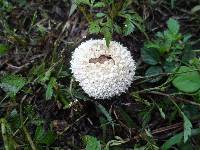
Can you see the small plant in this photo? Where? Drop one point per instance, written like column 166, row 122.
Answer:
column 5, row 6
column 48, row 76
column 12, row 84
column 113, row 16
column 167, row 51
column 171, row 53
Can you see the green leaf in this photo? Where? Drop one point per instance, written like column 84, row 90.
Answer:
column 173, row 3
column 127, row 3
column 150, row 56
column 46, row 76
column 173, row 26
column 41, row 29
column 165, row 46
column 3, row 49
column 12, row 84
column 176, row 139
column 105, row 113
column 72, row 9
column 151, row 144
column 49, row 91
column 154, row 71
column 128, row 27
column 187, row 54
column 39, row 133
column 169, row 66
column 125, row 116
column 6, row 6
column 99, row 5
column 91, row 143
column 107, row 31
column 107, row 35
column 187, row 80
column 117, row 29
column 172, row 141
column 94, row 27
column 153, row 45
column 186, row 38
column 187, row 128
column 146, row 117
column 195, row 9
column 99, row 15
column 43, row 137
column 49, row 138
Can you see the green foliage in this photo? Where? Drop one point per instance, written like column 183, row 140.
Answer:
column 146, row 116
column 151, row 144
column 187, row 79
column 154, row 71
column 48, row 77
column 195, row 9
column 128, row 27
column 44, row 137
column 150, row 56
column 178, row 139
column 49, row 92
column 187, row 128
column 166, row 44
column 106, row 21
column 94, row 27
column 125, row 116
column 12, row 84
column 91, row 143
column 173, row 26
column 5, row 6
column 105, row 113
column 3, row 49
column 168, row 50
column 171, row 53
column 187, row 124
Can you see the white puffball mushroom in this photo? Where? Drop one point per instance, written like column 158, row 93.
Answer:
column 102, row 71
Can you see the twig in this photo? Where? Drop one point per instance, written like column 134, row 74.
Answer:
column 163, row 74
column 175, row 98
column 167, row 128
column 29, row 138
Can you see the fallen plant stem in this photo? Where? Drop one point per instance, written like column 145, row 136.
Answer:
column 175, row 98
column 3, row 131
column 167, row 128
column 163, row 74
column 29, row 138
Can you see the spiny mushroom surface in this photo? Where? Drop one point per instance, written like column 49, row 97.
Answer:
column 103, row 72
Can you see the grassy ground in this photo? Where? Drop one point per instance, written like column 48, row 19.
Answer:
column 41, row 107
